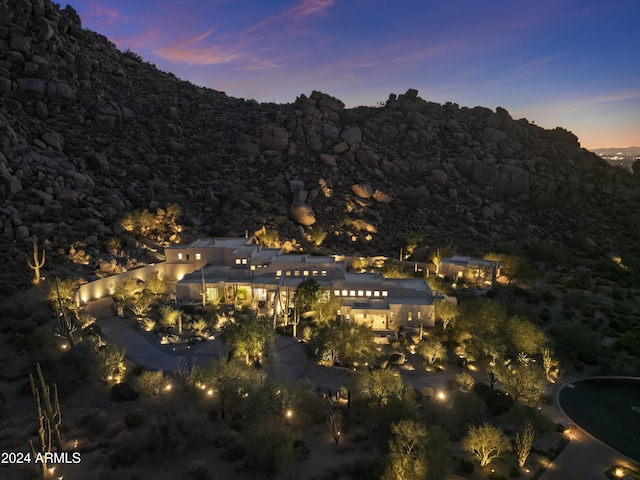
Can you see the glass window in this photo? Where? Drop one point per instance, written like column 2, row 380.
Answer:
column 306, row 273
column 344, row 293
column 361, row 293
column 237, row 261
column 385, row 293
column 315, row 273
column 278, row 273
column 244, row 261
column 324, row 273
column 336, row 293
column 198, row 256
column 179, row 256
column 352, row 293
column 368, row 294
column 376, row 293
column 297, row 273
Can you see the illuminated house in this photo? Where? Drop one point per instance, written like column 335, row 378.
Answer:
column 473, row 270
column 235, row 270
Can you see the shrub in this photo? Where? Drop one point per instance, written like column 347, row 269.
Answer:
column 123, row 392
column 514, row 472
column 134, row 419
column 94, row 423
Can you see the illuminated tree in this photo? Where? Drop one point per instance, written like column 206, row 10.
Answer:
column 348, row 342
column 524, row 382
column 150, row 383
column 407, row 457
column 486, row 442
column 108, row 361
column 465, row 382
column 169, row 315
column 380, row 386
column 62, row 293
column 229, row 381
column 141, row 305
column 306, row 295
column 432, row 350
column 446, row 311
column 524, row 336
column 248, row 334
column 269, row 238
column 523, row 443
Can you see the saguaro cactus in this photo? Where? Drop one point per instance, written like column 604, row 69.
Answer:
column 37, row 262
column 49, row 418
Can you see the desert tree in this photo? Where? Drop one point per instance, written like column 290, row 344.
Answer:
column 108, row 361
column 62, row 292
column 269, row 238
column 524, row 442
column 141, row 304
column 407, row 456
column 305, row 295
column 432, row 349
column 446, row 311
column 522, row 335
column 126, row 290
column 248, row 334
column 465, row 382
column 485, row 442
column 37, row 262
column 335, row 422
column 273, row 448
column 229, row 381
column 346, row 341
column 524, row 382
column 150, row 384
column 380, row 386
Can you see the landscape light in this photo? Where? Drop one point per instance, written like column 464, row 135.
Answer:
column 441, row 395
column 619, row 472
column 289, row 413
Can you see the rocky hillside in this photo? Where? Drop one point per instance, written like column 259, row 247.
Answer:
column 89, row 134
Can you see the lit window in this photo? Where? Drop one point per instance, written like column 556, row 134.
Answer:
column 361, row 293
column 253, row 267
column 237, row 261
column 352, row 293
column 244, row 261
column 344, row 293
column 385, row 293
column 288, row 274
column 376, row 293
column 278, row 273
column 198, row 256
column 306, row 273
column 315, row 273
column 336, row 293
column 297, row 273
column 324, row 273
column 179, row 256
column 368, row 293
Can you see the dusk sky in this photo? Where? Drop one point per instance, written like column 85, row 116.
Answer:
column 569, row 63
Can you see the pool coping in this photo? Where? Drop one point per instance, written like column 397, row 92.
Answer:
column 574, row 424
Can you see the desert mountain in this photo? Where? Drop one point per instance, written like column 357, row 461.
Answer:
column 89, row 134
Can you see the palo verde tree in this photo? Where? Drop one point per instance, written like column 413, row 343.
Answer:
column 486, row 443
column 228, row 381
column 38, row 261
column 407, row 457
column 347, row 342
column 380, row 386
column 445, row 311
column 248, row 334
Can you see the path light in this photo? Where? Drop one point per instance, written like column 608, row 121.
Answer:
column 168, row 387
column 618, row 472
column 209, row 392
column 289, row 413
column 51, row 470
column 441, row 395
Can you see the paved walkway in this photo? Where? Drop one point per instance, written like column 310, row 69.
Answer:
column 583, row 459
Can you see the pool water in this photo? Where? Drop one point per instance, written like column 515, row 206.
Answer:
column 607, row 408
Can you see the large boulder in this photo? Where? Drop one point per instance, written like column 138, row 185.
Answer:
column 484, row 174
column 274, row 138
column 302, row 214
column 362, row 190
